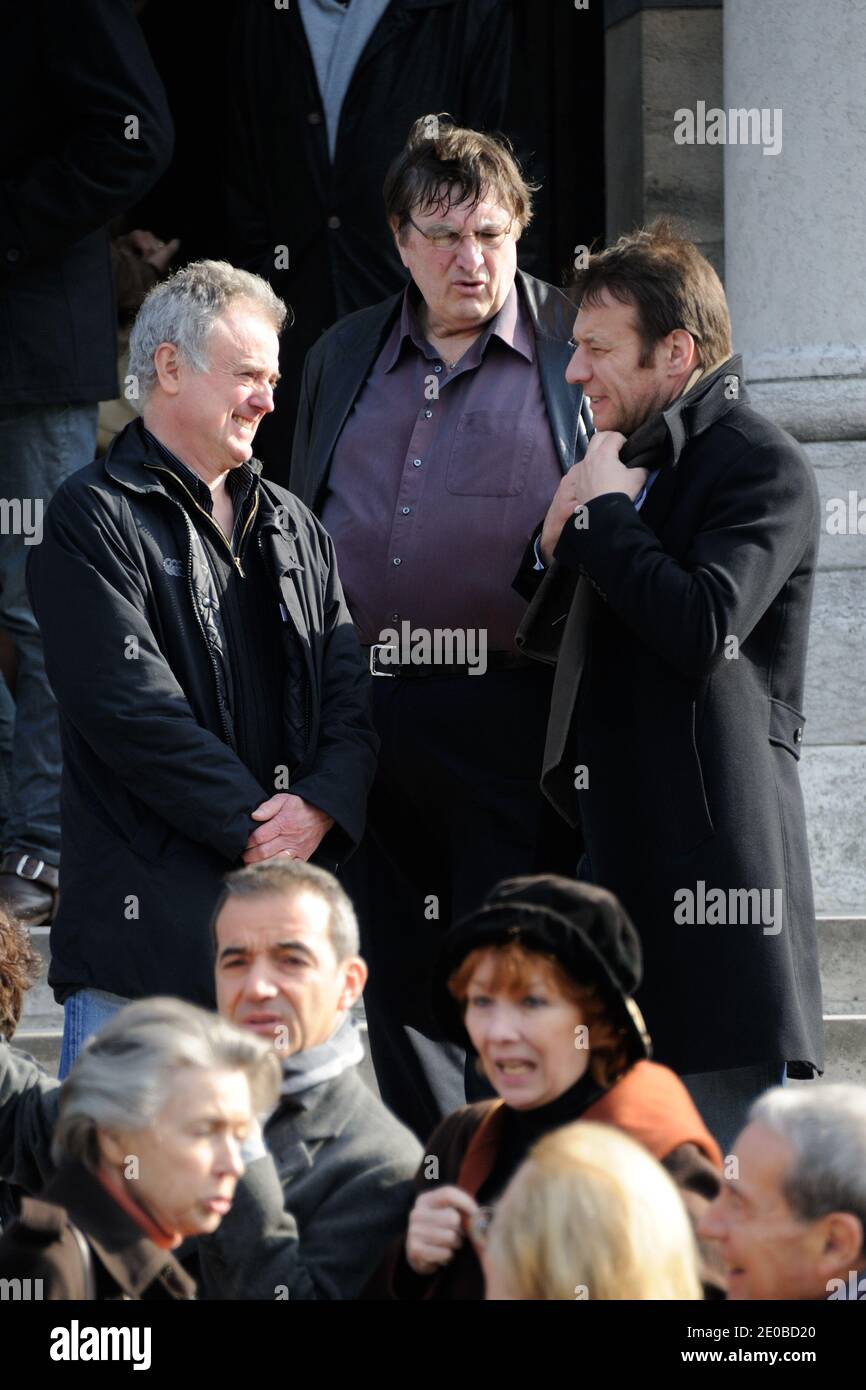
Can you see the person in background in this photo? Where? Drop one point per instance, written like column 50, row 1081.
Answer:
column 790, row 1218
column 539, row 982
column 330, row 1186
column 430, row 432
column 230, row 720
column 150, row 1125
column 19, row 970
column 681, row 556
column 589, row 1214
column 85, row 130
column 139, row 259
column 307, row 157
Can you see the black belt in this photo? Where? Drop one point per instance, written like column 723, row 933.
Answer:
column 494, row 661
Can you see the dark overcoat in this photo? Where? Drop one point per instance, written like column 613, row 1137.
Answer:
column 678, row 758
column 85, row 130
column 79, row 1243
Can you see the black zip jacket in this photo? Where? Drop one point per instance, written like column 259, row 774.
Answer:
column 156, row 803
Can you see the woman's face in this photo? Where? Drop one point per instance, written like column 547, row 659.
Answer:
column 531, row 1042
column 184, row 1168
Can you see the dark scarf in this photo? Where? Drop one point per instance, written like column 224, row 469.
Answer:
column 658, row 441
column 522, row 1128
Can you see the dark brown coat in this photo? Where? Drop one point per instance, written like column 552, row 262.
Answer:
column 82, row 1245
column 650, row 1103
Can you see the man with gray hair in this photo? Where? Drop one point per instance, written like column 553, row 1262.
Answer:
column 332, row 1185
column 212, row 697
column 790, row 1218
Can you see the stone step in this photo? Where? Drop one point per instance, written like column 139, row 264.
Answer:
column 845, row 1041
column 842, row 951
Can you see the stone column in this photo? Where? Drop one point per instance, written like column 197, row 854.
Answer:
column 795, row 237
column 661, row 55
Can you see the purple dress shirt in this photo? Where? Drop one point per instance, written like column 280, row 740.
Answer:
column 438, row 479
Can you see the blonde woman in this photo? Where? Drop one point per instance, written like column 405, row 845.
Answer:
column 590, row 1214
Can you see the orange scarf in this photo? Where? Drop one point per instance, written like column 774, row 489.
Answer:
column 650, row 1103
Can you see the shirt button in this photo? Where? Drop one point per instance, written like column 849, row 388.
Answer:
column 417, row 463
column 438, row 367
column 427, row 414
column 798, row 735
column 314, row 118
column 13, row 254
column 397, row 560
column 395, row 617
column 406, row 510
column 334, row 223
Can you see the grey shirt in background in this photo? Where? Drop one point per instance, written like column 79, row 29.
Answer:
column 337, row 34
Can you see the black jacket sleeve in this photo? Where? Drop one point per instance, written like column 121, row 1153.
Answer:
column 759, row 521
column 114, row 685
column 114, row 141
column 340, row 778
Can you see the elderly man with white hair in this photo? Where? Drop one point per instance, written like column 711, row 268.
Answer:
column 212, row 696
column 790, row 1218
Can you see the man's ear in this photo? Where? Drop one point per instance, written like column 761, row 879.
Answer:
column 843, row 1240
column 166, row 360
column 682, row 352
column 354, row 979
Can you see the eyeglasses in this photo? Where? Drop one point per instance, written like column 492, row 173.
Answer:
column 446, row 240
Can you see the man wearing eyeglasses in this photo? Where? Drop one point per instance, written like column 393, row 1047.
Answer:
column 431, row 430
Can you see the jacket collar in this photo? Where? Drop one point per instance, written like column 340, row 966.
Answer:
column 133, row 1261
column 133, row 448
column 711, row 397
column 685, row 420
column 507, row 324
column 648, row 1102
column 321, row 1112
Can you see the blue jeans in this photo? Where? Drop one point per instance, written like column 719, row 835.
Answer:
column 40, row 445
column 724, row 1097
column 84, row 1013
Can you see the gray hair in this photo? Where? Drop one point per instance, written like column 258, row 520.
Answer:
column 288, row 877
column 826, row 1129
column 124, row 1074
column 183, row 309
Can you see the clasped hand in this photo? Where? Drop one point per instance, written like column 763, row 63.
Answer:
column 598, row 472
column 289, row 825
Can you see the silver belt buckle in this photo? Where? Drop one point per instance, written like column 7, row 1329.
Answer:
column 40, row 865
column 377, row 647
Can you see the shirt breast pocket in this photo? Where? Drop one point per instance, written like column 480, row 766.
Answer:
column 490, row 454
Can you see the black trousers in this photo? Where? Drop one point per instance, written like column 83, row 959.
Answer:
column 456, row 807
